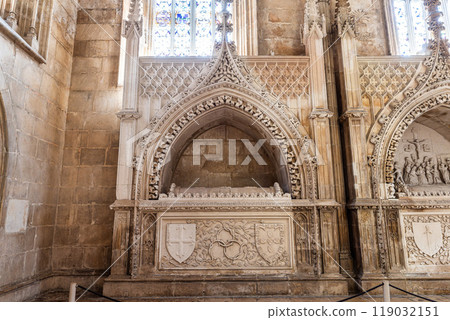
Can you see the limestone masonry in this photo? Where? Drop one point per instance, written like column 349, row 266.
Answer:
column 307, row 155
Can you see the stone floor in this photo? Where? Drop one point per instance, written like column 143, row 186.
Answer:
column 59, row 296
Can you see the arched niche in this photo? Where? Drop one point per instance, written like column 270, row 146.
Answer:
column 209, row 126
column 422, row 158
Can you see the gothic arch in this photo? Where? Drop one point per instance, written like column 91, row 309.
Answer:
column 396, row 127
column 234, row 120
column 299, row 160
column 7, row 135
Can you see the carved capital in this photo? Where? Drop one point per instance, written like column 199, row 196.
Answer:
column 321, row 113
column 354, row 114
column 128, row 115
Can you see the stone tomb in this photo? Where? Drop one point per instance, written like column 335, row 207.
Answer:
column 252, row 243
column 208, row 251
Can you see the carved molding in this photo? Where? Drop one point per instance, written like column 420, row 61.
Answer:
column 406, row 121
column 148, row 239
column 353, row 114
column 303, row 241
column 427, row 90
column 321, row 114
column 128, row 115
column 381, row 237
column 274, row 192
column 292, row 157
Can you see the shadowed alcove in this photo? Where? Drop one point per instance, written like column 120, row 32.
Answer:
column 227, row 126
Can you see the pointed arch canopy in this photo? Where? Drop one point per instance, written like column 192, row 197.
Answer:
column 397, row 126
column 293, row 155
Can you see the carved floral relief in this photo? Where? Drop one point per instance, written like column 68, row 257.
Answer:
column 237, row 243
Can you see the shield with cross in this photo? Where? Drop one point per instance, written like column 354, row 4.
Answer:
column 428, row 236
column 180, row 241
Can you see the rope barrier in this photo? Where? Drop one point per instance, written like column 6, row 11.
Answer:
column 362, row 293
column 97, row 294
column 415, row 295
column 343, row 300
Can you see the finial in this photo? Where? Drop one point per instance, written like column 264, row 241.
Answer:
column 345, row 19
column 225, row 26
column 437, row 43
column 314, row 19
column 135, row 19
column 135, row 13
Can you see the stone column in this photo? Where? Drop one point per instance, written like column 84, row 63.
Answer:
column 314, row 32
column 246, row 30
column 345, row 259
column 129, row 114
column 367, row 222
column 353, row 113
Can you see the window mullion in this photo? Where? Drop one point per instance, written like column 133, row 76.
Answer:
column 193, row 27
column 446, row 13
column 172, row 30
column 410, row 23
column 213, row 23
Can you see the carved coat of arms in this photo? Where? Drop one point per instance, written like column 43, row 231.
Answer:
column 428, row 236
column 180, row 241
column 269, row 241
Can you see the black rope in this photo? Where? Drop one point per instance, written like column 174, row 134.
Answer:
column 362, row 293
column 415, row 295
column 98, row 294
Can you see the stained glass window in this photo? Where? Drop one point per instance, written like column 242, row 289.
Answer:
column 184, row 27
column 411, row 25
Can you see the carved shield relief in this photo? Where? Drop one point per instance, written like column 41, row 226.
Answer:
column 428, row 236
column 180, row 240
column 269, row 241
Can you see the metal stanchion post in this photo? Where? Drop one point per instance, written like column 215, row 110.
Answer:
column 386, row 291
column 72, row 292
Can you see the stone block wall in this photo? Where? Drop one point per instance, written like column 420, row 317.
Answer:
column 35, row 98
column 372, row 38
column 84, row 221
column 279, row 27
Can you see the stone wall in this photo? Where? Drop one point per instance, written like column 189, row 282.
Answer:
column 279, row 27
column 35, row 98
column 224, row 173
column 370, row 27
column 83, row 230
